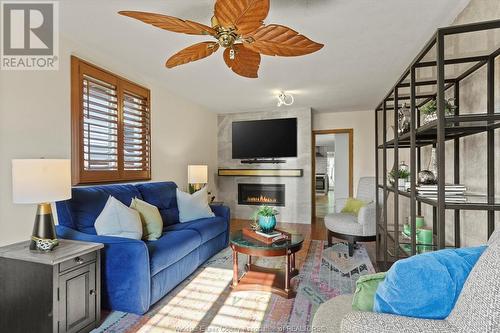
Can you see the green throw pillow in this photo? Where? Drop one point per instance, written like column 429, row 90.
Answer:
column 152, row 223
column 364, row 296
column 352, row 206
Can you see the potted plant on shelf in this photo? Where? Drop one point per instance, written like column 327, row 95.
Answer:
column 429, row 110
column 402, row 175
column 265, row 219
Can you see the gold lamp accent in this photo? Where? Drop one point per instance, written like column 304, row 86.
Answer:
column 41, row 181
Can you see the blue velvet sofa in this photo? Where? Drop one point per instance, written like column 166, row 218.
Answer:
column 136, row 273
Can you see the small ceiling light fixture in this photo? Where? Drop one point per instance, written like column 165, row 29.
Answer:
column 285, row 99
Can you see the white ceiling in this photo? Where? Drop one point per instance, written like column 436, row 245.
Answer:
column 368, row 43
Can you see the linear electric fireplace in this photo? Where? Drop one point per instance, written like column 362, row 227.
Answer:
column 261, row 194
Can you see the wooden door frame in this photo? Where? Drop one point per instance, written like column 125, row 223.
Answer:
column 348, row 131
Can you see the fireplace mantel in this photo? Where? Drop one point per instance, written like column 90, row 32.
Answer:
column 261, row 172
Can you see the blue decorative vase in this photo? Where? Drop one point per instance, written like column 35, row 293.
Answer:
column 267, row 223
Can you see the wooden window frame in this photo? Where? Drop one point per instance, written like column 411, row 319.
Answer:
column 79, row 68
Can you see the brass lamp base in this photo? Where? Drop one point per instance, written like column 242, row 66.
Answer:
column 44, row 234
column 195, row 187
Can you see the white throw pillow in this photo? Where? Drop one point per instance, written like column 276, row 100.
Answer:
column 193, row 206
column 118, row 220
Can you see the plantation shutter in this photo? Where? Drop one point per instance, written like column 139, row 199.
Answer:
column 136, row 130
column 100, row 125
column 111, row 138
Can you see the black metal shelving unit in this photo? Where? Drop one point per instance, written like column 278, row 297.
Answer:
column 436, row 72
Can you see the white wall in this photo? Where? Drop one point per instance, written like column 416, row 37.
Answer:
column 363, row 125
column 341, row 171
column 35, row 122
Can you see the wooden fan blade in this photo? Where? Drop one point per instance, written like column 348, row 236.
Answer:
column 278, row 40
column 192, row 53
column 170, row 23
column 245, row 63
column 244, row 15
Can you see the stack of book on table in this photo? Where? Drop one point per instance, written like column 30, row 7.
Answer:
column 452, row 192
column 268, row 238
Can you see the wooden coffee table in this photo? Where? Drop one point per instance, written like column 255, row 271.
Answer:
column 259, row 278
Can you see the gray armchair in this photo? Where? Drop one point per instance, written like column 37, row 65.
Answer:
column 352, row 228
column 477, row 308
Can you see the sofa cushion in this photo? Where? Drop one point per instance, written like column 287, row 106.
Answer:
column 162, row 195
column 207, row 228
column 346, row 224
column 171, row 247
column 87, row 203
column 426, row 285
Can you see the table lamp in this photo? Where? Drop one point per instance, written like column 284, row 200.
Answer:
column 197, row 177
column 41, row 181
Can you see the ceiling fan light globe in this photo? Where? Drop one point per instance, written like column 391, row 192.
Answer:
column 284, row 99
column 290, row 100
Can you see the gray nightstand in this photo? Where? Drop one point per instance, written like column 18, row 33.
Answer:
column 58, row 291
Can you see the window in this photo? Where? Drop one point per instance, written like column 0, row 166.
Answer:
column 111, row 139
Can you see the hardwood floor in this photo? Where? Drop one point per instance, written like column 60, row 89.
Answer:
column 315, row 231
column 324, row 204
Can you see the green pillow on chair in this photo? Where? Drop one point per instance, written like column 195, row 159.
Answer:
column 352, row 206
column 366, row 287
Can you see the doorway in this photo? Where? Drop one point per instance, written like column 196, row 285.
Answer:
column 332, row 166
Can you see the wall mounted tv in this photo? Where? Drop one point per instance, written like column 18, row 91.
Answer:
column 273, row 138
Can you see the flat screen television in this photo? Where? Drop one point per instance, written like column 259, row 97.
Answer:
column 274, row 138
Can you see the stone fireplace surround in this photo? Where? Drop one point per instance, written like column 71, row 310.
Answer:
column 297, row 205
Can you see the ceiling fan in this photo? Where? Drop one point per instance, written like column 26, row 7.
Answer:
column 238, row 26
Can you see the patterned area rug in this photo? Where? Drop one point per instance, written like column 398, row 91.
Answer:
column 204, row 302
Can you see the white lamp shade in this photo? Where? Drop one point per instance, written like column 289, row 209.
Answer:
column 40, row 180
column 197, row 174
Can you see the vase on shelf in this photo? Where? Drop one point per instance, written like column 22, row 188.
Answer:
column 426, row 177
column 429, row 176
column 404, row 118
column 433, row 166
